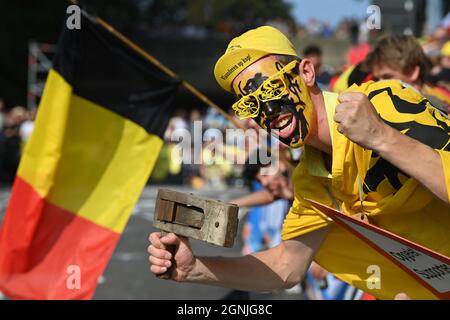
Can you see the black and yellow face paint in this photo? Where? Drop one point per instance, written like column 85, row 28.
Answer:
column 279, row 103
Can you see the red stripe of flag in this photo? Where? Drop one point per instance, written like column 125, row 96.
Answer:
column 43, row 259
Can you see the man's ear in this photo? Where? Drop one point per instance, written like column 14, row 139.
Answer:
column 307, row 72
column 414, row 74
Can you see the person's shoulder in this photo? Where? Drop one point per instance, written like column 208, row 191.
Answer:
column 393, row 96
column 390, row 87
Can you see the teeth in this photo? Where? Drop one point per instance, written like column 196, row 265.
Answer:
column 282, row 123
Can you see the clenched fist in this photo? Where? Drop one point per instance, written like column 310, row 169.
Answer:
column 358, row 120
column 161, row 259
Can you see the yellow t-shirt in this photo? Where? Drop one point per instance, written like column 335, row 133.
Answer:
column 393, row 201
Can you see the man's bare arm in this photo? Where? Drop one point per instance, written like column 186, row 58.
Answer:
column 279, row 267
column 257, row 198
column 415, row 159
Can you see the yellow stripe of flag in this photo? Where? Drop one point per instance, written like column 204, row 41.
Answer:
column 99, row 177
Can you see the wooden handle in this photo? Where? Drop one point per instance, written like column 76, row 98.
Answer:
column 172, row 249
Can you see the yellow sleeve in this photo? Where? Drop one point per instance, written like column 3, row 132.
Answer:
column 445, row 157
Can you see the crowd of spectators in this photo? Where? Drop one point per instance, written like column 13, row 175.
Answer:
column 16, row 126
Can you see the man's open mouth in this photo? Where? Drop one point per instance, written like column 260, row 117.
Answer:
column 285, row 124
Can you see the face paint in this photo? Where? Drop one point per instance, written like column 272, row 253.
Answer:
column 280, row 102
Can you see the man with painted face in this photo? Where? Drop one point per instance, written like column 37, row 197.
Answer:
column 378, row 150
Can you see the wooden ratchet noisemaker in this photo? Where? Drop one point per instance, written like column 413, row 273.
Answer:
column 195, row 217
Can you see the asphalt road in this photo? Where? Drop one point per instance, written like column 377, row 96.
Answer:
column 127, row 275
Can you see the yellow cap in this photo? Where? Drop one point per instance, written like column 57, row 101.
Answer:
column 246, row 49
column 445, row 51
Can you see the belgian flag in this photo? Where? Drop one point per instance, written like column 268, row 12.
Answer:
column 97, row 136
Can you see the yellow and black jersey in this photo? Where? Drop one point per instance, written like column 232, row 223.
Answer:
column 405, row 109
column 393, row 200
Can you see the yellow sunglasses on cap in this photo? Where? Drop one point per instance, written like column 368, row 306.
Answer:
column 272, row 88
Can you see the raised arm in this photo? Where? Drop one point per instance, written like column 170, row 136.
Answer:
column 415, row 159
column 359, row 122
column 280, row 267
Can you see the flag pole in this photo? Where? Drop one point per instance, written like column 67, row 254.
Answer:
column 169, row 72
column 163, row 68
column 172, row 74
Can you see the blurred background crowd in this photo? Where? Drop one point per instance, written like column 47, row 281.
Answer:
column 16, row 126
